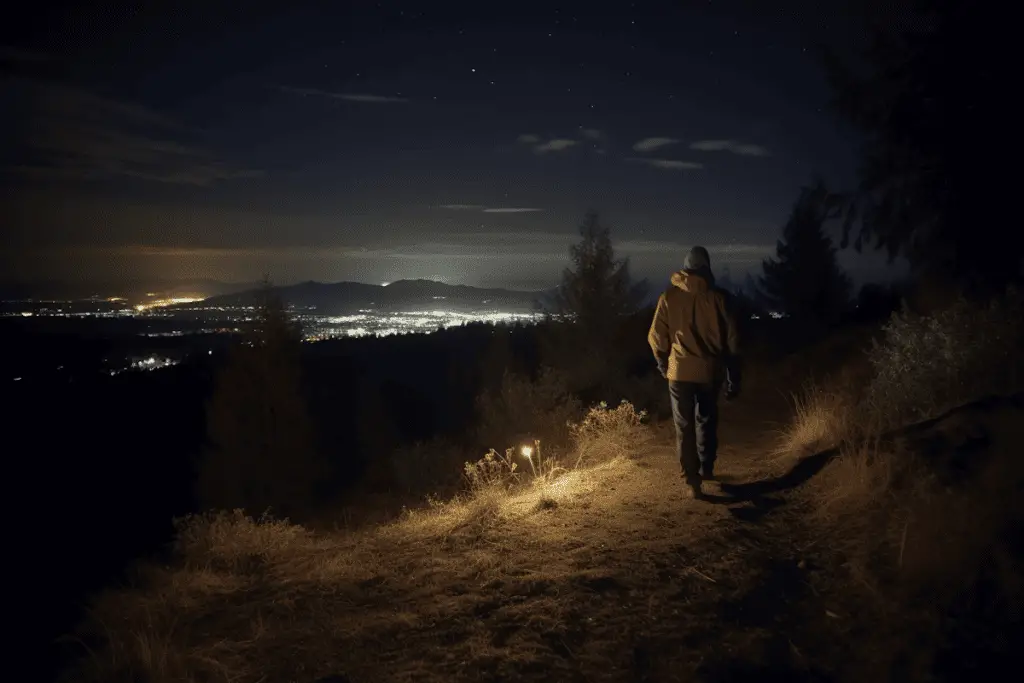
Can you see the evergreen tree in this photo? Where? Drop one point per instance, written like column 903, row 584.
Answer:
column 923, row 85
column 597, row 292
column 805, row 280
column 596, row 295
column 261, row 448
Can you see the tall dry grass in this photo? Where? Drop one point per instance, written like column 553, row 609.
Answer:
column 921, row 493
column 244, row 592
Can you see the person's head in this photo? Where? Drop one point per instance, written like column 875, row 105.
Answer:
column 697, row 259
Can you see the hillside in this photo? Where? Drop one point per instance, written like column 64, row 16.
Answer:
column 347, row 298
column 605, row 573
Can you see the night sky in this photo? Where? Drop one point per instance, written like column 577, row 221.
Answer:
column 374, row 141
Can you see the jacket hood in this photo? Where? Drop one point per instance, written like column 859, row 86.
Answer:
column 693, row 280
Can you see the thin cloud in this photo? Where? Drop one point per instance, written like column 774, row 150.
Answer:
column 743, row 149
column 556, row 145
column 667, row 164
column 79, row 135
column 348, row 97
column 486, row 209
column 651, row 144
column 553, row 145
column 592, row 134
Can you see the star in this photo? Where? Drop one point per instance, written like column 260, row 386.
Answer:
column 473, row 70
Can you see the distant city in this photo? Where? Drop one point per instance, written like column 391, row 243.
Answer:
column 156, row 316
column 155, row 330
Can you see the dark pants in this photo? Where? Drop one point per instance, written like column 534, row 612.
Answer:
column 695, row 413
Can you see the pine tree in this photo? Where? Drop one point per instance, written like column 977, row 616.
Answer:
column 805, row 280
column 597, row 292
column 923, row 83
column 261, row 447
column 597, row 295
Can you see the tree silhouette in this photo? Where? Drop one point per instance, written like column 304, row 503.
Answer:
column 805, row 280
column 261, row 448
column 597, row 291
column 596, row 294
column 925, row 88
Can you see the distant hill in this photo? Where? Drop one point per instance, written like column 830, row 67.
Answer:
column 347, row 298
column 131, row 289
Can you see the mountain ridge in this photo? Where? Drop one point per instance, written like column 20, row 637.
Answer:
column 347, row 297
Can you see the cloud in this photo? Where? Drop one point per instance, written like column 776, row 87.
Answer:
column 592, row 134
column 743, row 149
column 485, row 209
column 555, row 145
column 651, row 144
column 667, row 164
column 78, row 135
column 348, row 97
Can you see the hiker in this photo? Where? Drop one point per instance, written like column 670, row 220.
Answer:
column 695, row 343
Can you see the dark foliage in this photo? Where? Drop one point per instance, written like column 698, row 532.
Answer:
column 805, row 280
column 262, row 450
column 927, row 87
column 595, row 297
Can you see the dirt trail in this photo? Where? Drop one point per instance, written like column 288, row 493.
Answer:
column 629, row 582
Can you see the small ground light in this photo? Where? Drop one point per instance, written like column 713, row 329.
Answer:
column 528, row 451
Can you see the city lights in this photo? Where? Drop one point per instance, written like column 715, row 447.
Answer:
column 162, row 303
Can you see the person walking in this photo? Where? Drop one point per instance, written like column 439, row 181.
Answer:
column 695, row 341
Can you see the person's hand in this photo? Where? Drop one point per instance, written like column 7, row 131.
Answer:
column 731, row 394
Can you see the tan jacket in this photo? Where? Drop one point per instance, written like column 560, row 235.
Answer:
column 694, row 334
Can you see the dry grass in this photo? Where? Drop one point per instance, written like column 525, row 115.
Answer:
column 266, row 600
column 914, row 520
column 822, row 419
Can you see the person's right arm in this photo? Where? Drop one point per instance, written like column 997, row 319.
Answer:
column 732, row 345
column 658, row 336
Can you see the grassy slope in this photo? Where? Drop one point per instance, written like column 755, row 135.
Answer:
column 608, row 574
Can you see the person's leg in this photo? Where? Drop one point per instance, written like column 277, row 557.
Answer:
column 682, row 395
column 706, row 428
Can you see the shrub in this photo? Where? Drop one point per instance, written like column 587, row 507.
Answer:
column 232, row 540
column 821, row 419
column 928, row 363
column 425, row 466
column 606, row 433
column 492, row 470
column 525, row 410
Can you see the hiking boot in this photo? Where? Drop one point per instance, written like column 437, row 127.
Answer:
column 711, row 487
column 693, row 492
